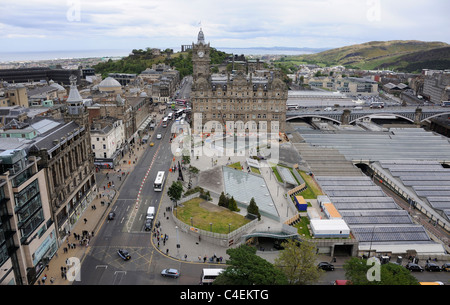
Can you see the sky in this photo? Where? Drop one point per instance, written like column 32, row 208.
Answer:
column 49, row 25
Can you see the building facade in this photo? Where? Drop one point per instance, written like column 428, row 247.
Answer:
column 436, row 87
column 108, row 141
column 27, row 231
column 239, row 101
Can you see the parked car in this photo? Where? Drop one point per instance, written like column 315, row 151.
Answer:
column 124, row 254
column 432, row 267
column 446, row 267
column 413, row 267
column 170, row 273
column 111, row 215
column 325, row 266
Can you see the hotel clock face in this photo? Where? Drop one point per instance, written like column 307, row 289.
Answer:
column 200, row 54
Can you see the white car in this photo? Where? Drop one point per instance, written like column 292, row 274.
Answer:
column 158, row 136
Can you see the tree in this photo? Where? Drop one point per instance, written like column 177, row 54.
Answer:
column 232, row 205
column 223, row 200
column 175, row 191
column 253, row 208
column 357, row 270
column 247, row 268
column 297, row 261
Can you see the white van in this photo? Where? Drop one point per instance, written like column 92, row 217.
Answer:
column 328, row 109
column 358, row 108
column 150, row 212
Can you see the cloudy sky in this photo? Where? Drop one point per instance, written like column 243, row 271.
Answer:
column 49, row 25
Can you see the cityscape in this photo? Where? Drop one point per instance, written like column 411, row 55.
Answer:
column 194, row 165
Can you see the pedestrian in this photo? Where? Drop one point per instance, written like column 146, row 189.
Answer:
column 185, row 257
column 92, row 234
column 85, row 220
column 52, row 280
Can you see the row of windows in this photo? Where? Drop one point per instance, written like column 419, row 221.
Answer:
column 243, row 116
column 245, row 101
column 244, row 93
column 232, row 108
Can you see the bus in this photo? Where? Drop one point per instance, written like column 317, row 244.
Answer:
column 209, row 275
column 445, row 104
column 165, row 122
column 178, row 113
column 181, row 102
column 159, row 181
column 170, row 116
column 377, row 105
column 292, row 107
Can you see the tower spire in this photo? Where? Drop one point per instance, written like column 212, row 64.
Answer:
column 201, row 37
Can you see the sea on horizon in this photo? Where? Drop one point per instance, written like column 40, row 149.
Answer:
column 54, row 55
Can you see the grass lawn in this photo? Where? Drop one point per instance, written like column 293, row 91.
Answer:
column 302, row 227
column 313, row 189
column 236, row 165
column 255, row 170
column 203, row 213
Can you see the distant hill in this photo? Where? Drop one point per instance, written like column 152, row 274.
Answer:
column 402, row 55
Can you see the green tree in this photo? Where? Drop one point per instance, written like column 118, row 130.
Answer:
column 253, row 208
column 175, row 191
column 223, row 200
column 232, row 205
column 247, row 268
column 298, row 262
column 358, row 269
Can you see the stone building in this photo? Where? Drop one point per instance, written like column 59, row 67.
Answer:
column 237, row 101
column 65, row 154
column 436, row 87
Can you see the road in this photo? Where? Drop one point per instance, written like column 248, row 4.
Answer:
column 102, row 265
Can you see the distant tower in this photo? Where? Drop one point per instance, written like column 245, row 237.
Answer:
column 75, row 108
column 200, row 57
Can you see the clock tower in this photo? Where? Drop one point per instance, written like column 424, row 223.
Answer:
column 201, row 61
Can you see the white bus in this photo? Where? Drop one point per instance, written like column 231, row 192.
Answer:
column 159, row 181
column 179, row 113
column 292, row 106
column 209, row 275
column 445, row 104
column 164, row 122
column 377, row 105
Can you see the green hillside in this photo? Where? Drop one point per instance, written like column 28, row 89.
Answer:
column 140, row 60
column 409, row 55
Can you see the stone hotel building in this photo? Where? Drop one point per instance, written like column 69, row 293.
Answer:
column 236, row 101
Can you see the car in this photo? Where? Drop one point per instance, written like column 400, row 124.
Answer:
column 124, row 254
column 170, row 273
column 158, row 136
column 413, row 267
column 148, row 224
column 111, row 215
column 152, row 144
column 432, row 267
column 325, row 266
column 446, row 267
